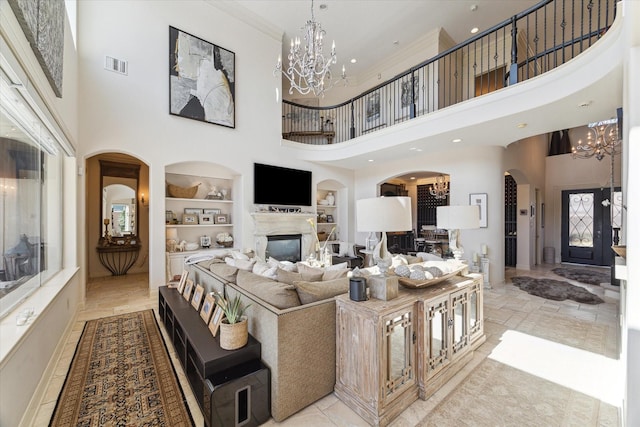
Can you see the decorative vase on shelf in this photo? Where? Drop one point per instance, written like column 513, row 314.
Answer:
column 331, row 200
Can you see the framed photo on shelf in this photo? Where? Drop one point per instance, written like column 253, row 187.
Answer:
column 206, row 219
column 214, row 323
column 183, row 281
column 215, row 211
column 196, row 211
column 197, row 297
column 480, row 200
column 222, row 219
column 188, row 289
column 329, row 218
column 208, row 306
column 190, row 219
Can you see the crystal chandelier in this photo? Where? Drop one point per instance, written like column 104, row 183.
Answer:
column 602, row 140
column 440, row 189
column 309, row 70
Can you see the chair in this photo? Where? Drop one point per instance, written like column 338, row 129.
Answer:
column 431, row 242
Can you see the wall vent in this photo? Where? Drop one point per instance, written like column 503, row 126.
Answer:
column 116, row 65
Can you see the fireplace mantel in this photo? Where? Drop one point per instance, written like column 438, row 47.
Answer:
column 277, row 223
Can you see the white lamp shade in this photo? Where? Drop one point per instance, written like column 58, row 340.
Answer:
column 458, row 217
column 172, row 233
column 384, row 214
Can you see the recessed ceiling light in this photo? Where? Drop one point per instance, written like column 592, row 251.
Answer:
column 456, row 140
column 354, row 60
column 418, row 149
column 396, row 42
column 371, row 160
column 324, row 6
column 474, row 30
column 521, row 125
column 412, row 149
column 473, row 7
column 413, row 177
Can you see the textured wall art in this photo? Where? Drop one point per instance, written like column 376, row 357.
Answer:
column 201, row 79
column 42, row 22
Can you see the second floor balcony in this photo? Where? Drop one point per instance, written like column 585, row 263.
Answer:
column 525, row 46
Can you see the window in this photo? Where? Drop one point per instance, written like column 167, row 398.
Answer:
column 31, row 166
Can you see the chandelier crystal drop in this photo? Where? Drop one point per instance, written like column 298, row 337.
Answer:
column 309, row 70
column 602, row 140
column 440, row 189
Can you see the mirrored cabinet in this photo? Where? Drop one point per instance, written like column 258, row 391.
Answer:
column 389, row 353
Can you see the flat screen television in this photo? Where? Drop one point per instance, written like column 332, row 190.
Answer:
column 275, row 185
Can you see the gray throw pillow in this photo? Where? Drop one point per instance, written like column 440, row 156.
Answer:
column 279, row 295
column 309, row 292
column 289, row 277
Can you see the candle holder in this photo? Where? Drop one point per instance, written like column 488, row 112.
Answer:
column 106, row 228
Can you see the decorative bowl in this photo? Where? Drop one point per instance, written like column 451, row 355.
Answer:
column 191, row 246
column 323, row 202
column 182, row 192
column 226, row 244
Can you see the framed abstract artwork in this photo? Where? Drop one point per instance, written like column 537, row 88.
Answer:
column 201, row 79
column 480, row 200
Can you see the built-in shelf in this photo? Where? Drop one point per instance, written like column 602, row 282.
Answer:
column 198, row 225
column 179, row 199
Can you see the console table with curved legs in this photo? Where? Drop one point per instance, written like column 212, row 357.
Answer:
column 118, row 259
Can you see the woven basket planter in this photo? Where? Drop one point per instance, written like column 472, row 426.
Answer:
column 182, row 192
column 234, row 336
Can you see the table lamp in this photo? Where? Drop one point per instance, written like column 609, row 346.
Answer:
column 454, row 219
column 382, row 214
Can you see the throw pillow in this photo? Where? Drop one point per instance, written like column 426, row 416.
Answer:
column 309, row 292
column 285, row 265
column 289, row 277
column 242, row 264
column 265, row 270
column 340, row 266
column 224, row 271
column 239, row 255
column 279, row 295
column 334, row 274
column 311, row 274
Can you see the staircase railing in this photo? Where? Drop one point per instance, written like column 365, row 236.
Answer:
column 528, row 44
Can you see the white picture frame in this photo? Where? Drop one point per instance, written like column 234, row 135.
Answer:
column 480, row 200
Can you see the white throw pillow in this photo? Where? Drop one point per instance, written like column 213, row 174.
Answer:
column 340, row 266
column 285, row 265
column 239, row 255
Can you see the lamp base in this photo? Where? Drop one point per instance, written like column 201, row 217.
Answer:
column 383, row 287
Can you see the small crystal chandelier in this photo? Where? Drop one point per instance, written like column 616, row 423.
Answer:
column 602, row 140
column 309, row 70
column 440, row 189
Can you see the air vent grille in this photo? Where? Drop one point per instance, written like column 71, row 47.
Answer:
column 116, row 65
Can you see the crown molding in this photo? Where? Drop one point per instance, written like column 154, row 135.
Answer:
column 243, row 14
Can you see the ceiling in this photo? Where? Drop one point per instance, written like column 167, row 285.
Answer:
column 371, row 31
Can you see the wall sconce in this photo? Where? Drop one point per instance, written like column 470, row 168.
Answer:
column 145, row 202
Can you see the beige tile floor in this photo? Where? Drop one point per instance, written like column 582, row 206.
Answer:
column 544, row 363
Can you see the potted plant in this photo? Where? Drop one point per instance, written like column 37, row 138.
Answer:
column 234, row 331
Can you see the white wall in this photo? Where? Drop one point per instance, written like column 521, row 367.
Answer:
column 471, row 170
column 130, row 113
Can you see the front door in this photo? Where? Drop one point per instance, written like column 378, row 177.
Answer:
column 586, row 226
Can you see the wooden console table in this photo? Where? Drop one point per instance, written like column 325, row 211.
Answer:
column 389, row 353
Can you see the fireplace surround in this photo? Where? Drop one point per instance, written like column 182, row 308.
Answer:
column 284, row 247
column 280, row 224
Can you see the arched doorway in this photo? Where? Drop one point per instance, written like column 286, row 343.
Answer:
column 117, row 207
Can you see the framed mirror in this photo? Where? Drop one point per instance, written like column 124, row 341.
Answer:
column 119, row 201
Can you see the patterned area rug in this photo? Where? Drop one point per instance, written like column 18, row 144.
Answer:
column 583, row 275
column 555, row 290
column 121, row 375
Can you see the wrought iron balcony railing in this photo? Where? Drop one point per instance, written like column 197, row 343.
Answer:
column 530, row 43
